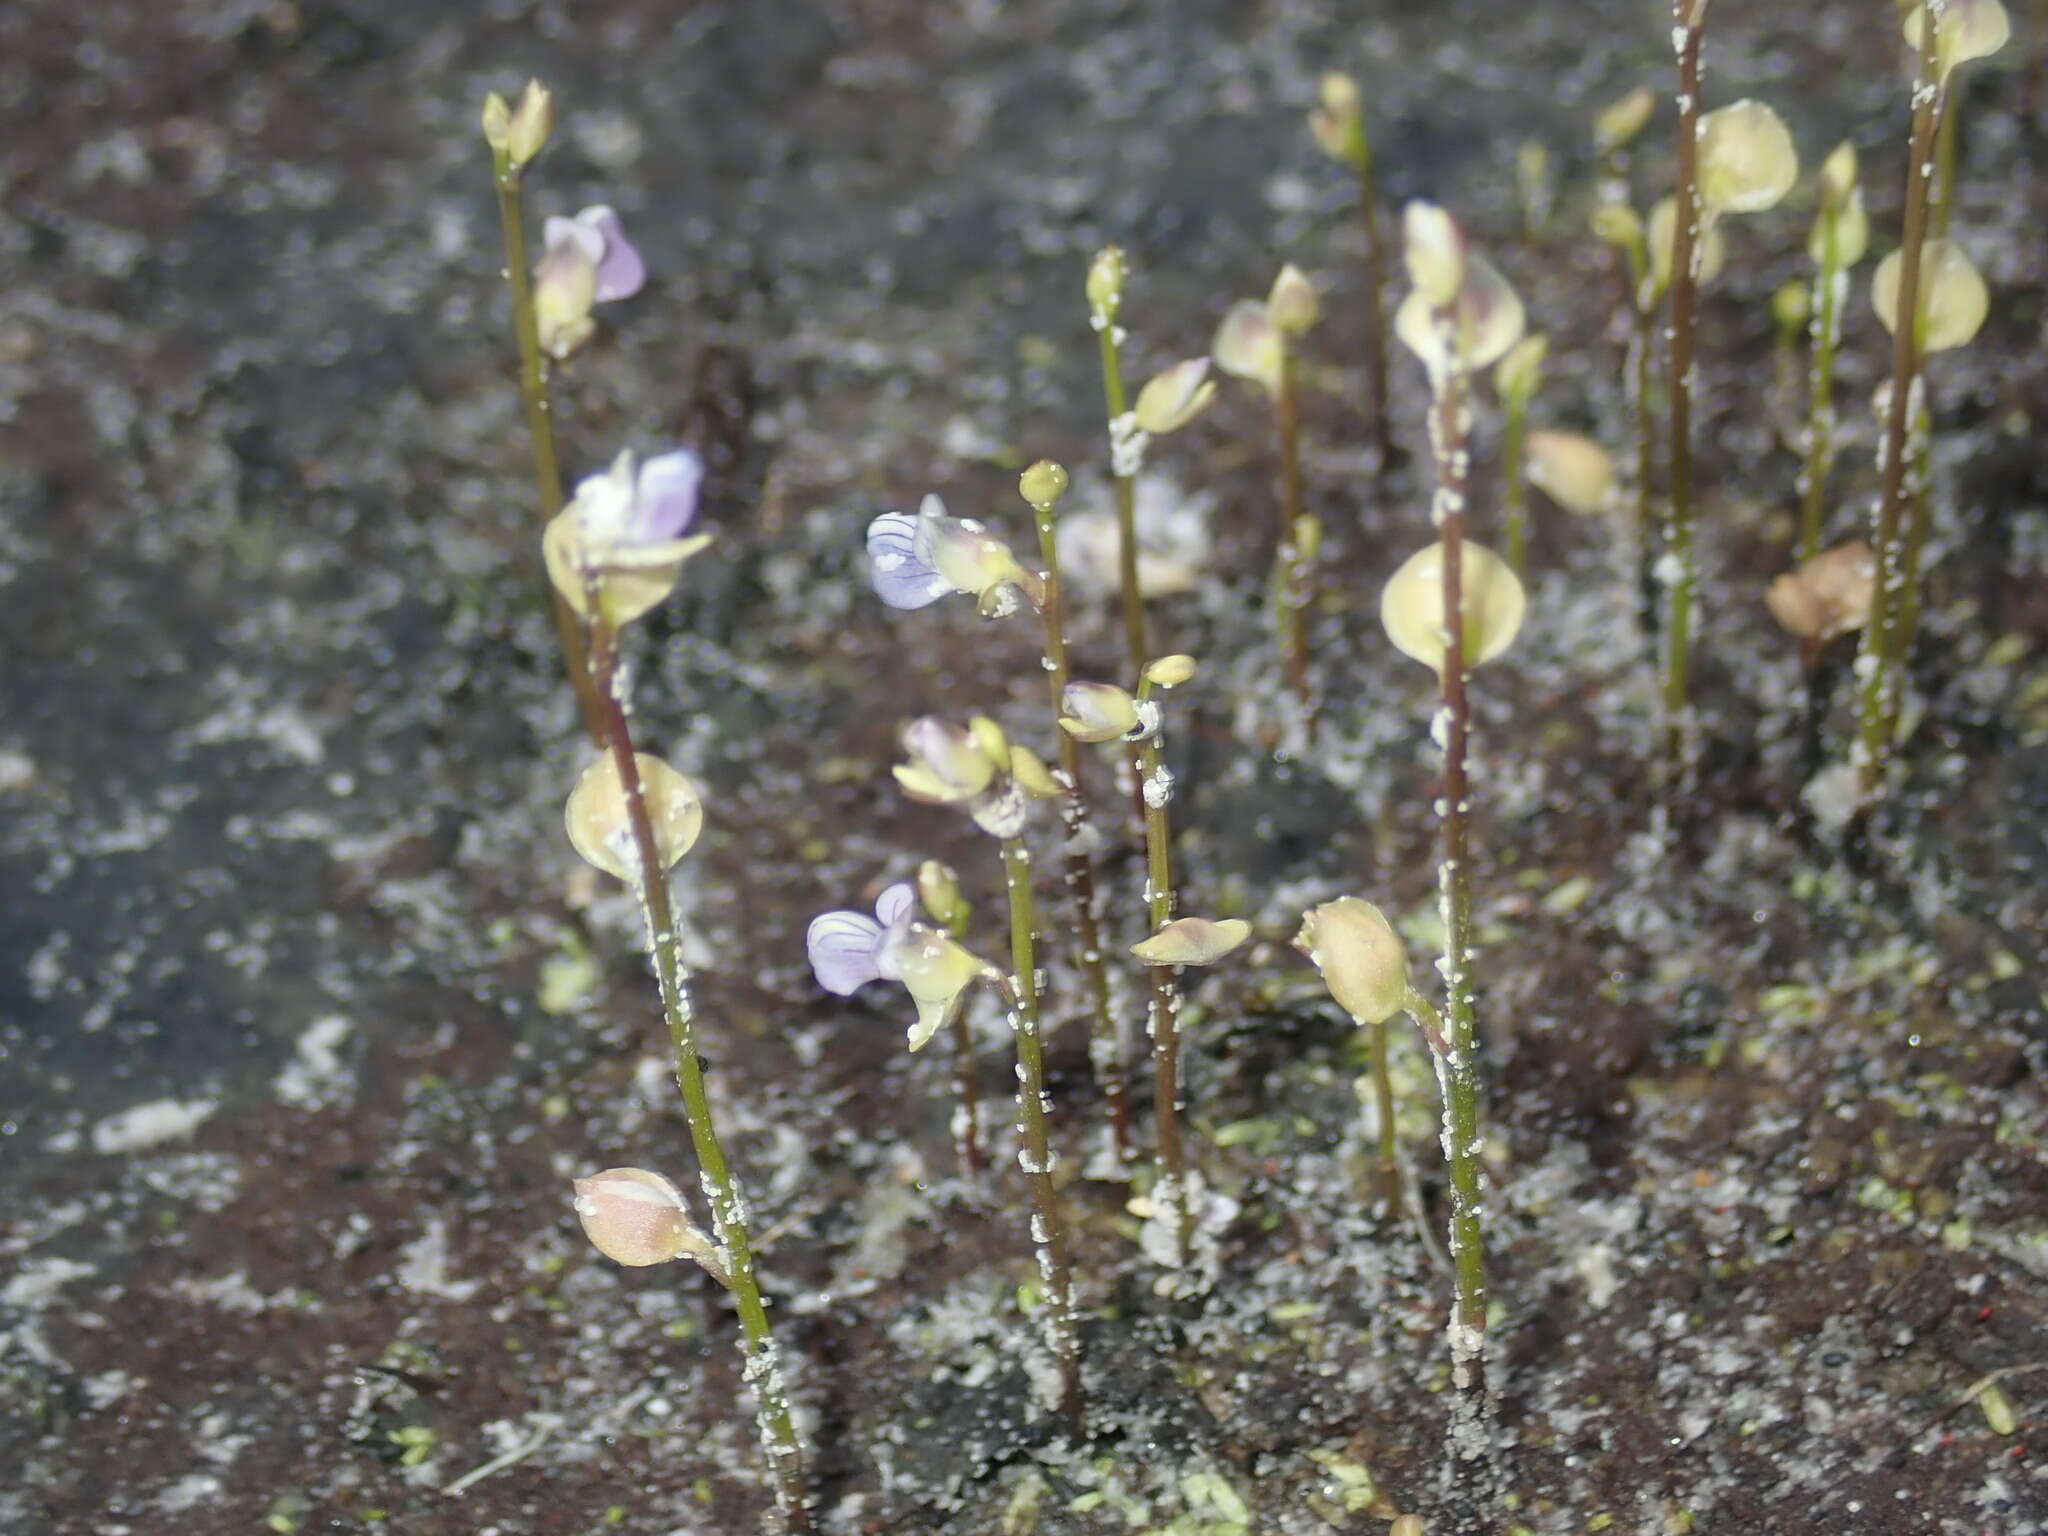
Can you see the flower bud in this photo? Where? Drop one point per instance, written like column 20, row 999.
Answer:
column 1491, row 602
column 1292, row 301
column 938, row 892
column 1174, row 396
column 1248, row 345
column 1433, row 246
column 1746, row 159
column 1966, row 30
column 1826, row 596
column 497, row 121
column 1028, row 769
column 1106, row 283
column 1169, row 671
column 1338, row 124
column 1616, row 224
column 531, row 123
column 1098, row 712
column 1852, row 232
column 1791, row 306
column 1622, row 119
column 601, row 826
column 1573, row 471
column 1486, row 320
column 1838, row 175
column 1711, row 250
column 1515, row 375
column 1361, row 957
column 564, row 289
column 636, row 1218
column 1953, row 298
column 1043, row 484
column 948, row 763
column 1193, row 941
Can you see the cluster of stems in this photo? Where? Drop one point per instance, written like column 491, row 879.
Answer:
column 1681, row 565
column 1881, row 662
column 591, row 654
column 1106, row 1041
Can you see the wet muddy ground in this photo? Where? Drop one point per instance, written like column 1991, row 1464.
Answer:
column 307, row 1012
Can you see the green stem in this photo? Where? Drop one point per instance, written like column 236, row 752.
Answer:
column 1919, row 447
column 533, row 393
column 728, row 1202
column 1035, row 1154
column 1383, row 1096
column 1944, row 191
column 1292, row 559
column 1135, row 640
column 1684, row 572
column 1642, row 354
column 1820, row 416
column 1876, row 661
column 1112, row 1073
column 1162, row 1014
column 1516, row 512
column 1375, row 307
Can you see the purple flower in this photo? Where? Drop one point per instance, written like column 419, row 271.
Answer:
column 597, row 233
column 629, row 527
column 850, row 949
column 917, row 560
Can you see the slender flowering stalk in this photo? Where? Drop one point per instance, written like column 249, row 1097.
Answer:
column 1338, row 124
column 1919, row 496
column 509, row 157
column 1162, row 1012
column 938, row 891
column 1619, row 226
column 1105, row 299
column 1840, row 234
column 1042, row 487
column 1682, row 570
column 1515, row 381
column 1035, row 1154
column 1294, row 559
column 728, row 1202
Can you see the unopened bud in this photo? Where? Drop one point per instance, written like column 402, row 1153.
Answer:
column 1622, row 119
column 1572, row 470
column 1339, row 122
column 1433, row 246
column 1616, row 224
column 1043, row 484
column 637, row 1218
column 1852, row 232
column 1710, row 249
column 1032, row 776
column 1193, row 941
column 1106, row 283
column 497, row 121
column 1248, row 345
column 1361, row 957
column 1791, row 307
column 1170, row 671
column 1174, row 396
column 1292, row 301
column 1515, row 375
column 938, row 891
column 1838, row 175
column 1098, row 712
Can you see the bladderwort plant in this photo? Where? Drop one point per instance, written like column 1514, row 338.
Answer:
column 1838, row 241
column 1259, row 342
column 1930, row 298
column 612, row 553
column 1453, row 606
column 978, row 770
column 916, row 561
column 1103, row 712
column 1338, row 126
column 1737, row 159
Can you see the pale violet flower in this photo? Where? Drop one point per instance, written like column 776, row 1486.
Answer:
column 584, row 261
column 850, row 949
column 915, row 561
column 627, row 530
column 597, row 234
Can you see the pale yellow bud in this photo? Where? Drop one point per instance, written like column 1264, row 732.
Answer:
column 938, row 892
column 948, row 764
column 1170, row 671
column 1572, row 470
column 1433, row 246
column 1838, row 175
column 1746, row 162
column 1361, row 957
column 635, row 1217
column 1616, row 224
column 1516, row 374
column 1028, row 769
column 1663, row 231
column 1292, row 301
column 1106, row 282
column 1193, row 941
column 1043, row 484
column 1174, row 396
column 1791, row 306
column 1486, row 319
column 1098, row 712
column 532, row 121
column 1852, row 232
column 1490, row 600
column 1968, row 29
column 1623, row 118
column 1953, row 298
column 497, row 121
column 1338, row 124
column 1828, row 595
column 1248, row 345
column 601, row 826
